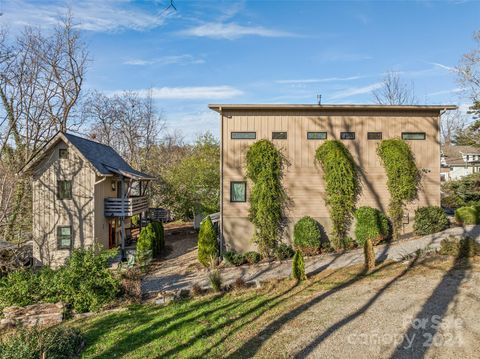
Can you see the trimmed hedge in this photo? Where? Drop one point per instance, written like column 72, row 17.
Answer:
column 253, row 257
column 234, row 258
column 307, row 236
column 468, row 215
column 207, row 243
column 431, row 219
column 460, row 248
column 34, row 343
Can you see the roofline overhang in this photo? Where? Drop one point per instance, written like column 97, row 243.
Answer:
column 329, row 107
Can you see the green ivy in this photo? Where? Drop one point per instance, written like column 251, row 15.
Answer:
column 403, row 178
column 341, row 187
column 264, row 165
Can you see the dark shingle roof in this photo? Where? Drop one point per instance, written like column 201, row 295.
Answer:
column 104, row 158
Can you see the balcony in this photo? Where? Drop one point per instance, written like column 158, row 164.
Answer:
column 125, row 207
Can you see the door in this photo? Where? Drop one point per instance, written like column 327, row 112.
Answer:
column 111, row 235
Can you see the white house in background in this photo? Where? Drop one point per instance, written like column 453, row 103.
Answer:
column 459, row 161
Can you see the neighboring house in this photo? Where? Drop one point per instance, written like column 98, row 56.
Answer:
column 83, row 194
column 298, row 130
column 459, row 161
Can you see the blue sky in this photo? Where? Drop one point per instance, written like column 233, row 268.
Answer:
column 263, row 51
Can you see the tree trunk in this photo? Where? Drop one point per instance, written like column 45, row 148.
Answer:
column 369, row 255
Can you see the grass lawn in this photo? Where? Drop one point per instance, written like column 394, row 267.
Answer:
column 235, row 324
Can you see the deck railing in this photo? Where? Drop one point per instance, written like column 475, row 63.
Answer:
column 125, row 207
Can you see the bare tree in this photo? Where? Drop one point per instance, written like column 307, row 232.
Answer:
column 469, row 73
column 394, row 91
column 128, row 122
column 451, row 124
column 41, row 77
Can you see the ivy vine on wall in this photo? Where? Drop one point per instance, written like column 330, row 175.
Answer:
column 341, row 187
column 264, row 164
column 403, row 178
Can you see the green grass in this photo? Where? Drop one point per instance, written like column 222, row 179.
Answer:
column 213, row 326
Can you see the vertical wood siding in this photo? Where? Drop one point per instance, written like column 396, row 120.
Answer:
column 303, row 177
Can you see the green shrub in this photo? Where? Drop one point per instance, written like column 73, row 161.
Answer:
column 462, row 192
column 283, row 251
column 307, row 236
column 207, row 243
column 253, row 257
column 463, row 247
column 159, row 237
column 146, row 248
column 431, row 219
column 403, row 178
column 264, row 165
column 85, row 282
column 468, row 215
column 52, row 343
column 298, row 267
column 135, row 220
column 215, row 279
column 234, row 258
column 371, row 227
column 341, row 187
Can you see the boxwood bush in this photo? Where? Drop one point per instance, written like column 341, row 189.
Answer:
column 307, row 236
column 253, row 257
column 468, row 215
column 34, row 343
column 463, row 247
column 431, row 219
column 283, row 251
column 235, row 259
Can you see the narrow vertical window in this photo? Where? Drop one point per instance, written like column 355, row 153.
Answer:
column 238, row 191
column 64, row 189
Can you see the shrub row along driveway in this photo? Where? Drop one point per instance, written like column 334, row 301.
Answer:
column 180, row 269
column 418, row 309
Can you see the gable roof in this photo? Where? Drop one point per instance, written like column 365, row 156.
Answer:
column 104, row 159
column 453, row 154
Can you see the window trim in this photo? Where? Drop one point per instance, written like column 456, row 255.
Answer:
column 233, row 132
column 414, row 139
column 348, row 139
column 59, row 191
column 280, row 132
column 232, row 183
column 317, row 139
column 59, row 246
column 375, row 139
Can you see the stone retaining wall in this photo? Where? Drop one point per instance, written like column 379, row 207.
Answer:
column 43, row 315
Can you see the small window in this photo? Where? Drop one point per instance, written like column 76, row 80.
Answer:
column 244, row 135
column 279, row 135
column 347, row 135
column 238, row 191
column 62, row 153
column 374, row 135
column 64, row 189
column 413, row 135
column 64, row 237
column 316, row 135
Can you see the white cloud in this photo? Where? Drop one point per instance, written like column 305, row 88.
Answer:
column 445, row 92
column 92, row 15
column 318, row 80
column 231, row 31
column 189, row 93
column 442, row 66
column 166, row 60
column 353, row 91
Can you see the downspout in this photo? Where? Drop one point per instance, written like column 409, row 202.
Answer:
column 221, row 181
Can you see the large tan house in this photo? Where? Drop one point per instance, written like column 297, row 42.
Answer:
column 83, row 195
column 298, row 130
